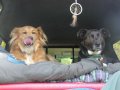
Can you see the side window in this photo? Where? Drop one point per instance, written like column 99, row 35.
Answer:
column 116, row 47
column 64, row 55
column 76, row 51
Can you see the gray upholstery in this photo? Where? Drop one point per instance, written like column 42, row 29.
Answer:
column 48, row 70
column 43, row 71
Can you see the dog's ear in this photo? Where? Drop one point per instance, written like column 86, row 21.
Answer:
column 105, row 33
column 13, row 35
column 43, row 37
column 81, row 34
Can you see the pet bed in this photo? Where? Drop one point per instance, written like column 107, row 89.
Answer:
column 11, row 74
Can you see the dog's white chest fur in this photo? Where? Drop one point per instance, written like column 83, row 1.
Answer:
column 28, row 50
column 29, row 60
column 96, row 52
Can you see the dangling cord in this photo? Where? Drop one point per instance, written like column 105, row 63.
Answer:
column 74, row 17
column 74, row 21
column 75, row 1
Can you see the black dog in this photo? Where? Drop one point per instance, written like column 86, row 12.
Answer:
column 92, row 42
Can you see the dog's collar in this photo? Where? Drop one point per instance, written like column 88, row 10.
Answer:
column 97, row 56
column 12, row 59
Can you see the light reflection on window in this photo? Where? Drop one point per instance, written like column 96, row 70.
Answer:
column 116, row 47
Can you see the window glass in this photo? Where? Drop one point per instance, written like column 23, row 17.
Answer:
column 63, row 55
column 76, row 52
column 116, row 47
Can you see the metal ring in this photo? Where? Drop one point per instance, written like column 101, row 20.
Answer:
column 81, row 9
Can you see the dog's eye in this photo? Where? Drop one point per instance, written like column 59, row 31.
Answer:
column 33, row 32
column 24, row 32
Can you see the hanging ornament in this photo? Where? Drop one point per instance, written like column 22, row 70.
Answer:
column 75, row 9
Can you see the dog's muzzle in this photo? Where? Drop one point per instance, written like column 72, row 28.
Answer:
column 28, row 41
column 97, row 47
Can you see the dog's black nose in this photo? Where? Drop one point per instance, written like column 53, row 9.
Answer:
column 97, row 45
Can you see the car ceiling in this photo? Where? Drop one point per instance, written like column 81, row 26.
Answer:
column 54, row 16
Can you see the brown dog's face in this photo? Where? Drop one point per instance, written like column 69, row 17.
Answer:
column 93, row 40
column 28, row 37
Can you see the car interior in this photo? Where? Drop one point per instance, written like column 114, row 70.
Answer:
column 55, row 17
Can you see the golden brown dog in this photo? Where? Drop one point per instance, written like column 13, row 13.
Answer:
column 27, row 43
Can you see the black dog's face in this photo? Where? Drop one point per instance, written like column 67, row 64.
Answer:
column 93, row 40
